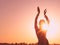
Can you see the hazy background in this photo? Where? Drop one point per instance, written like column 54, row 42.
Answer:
column 17, row 20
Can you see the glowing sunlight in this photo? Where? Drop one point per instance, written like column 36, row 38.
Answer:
column 45, row 26
column 51, row 29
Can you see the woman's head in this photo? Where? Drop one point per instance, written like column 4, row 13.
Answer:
column 41, row 23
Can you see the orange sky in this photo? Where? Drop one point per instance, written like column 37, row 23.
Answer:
column 17, row 20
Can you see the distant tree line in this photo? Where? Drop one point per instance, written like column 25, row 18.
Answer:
column 17, row 44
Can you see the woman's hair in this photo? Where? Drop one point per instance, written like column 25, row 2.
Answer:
column 41, row 21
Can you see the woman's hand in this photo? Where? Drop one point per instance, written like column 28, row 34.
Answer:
column 38, row 10
column 45, row 12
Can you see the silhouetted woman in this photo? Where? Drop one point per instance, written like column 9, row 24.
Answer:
column 41, row 35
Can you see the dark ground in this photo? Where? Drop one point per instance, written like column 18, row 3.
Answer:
column 22, row 44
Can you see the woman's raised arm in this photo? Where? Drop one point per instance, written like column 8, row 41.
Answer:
column 35, row 25
column 46, row 16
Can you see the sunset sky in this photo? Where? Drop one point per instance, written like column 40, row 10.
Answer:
column 17, row 20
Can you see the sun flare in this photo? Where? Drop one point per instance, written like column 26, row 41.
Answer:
column 45, row 26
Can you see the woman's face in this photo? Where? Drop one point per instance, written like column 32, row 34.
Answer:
column 41, row 23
